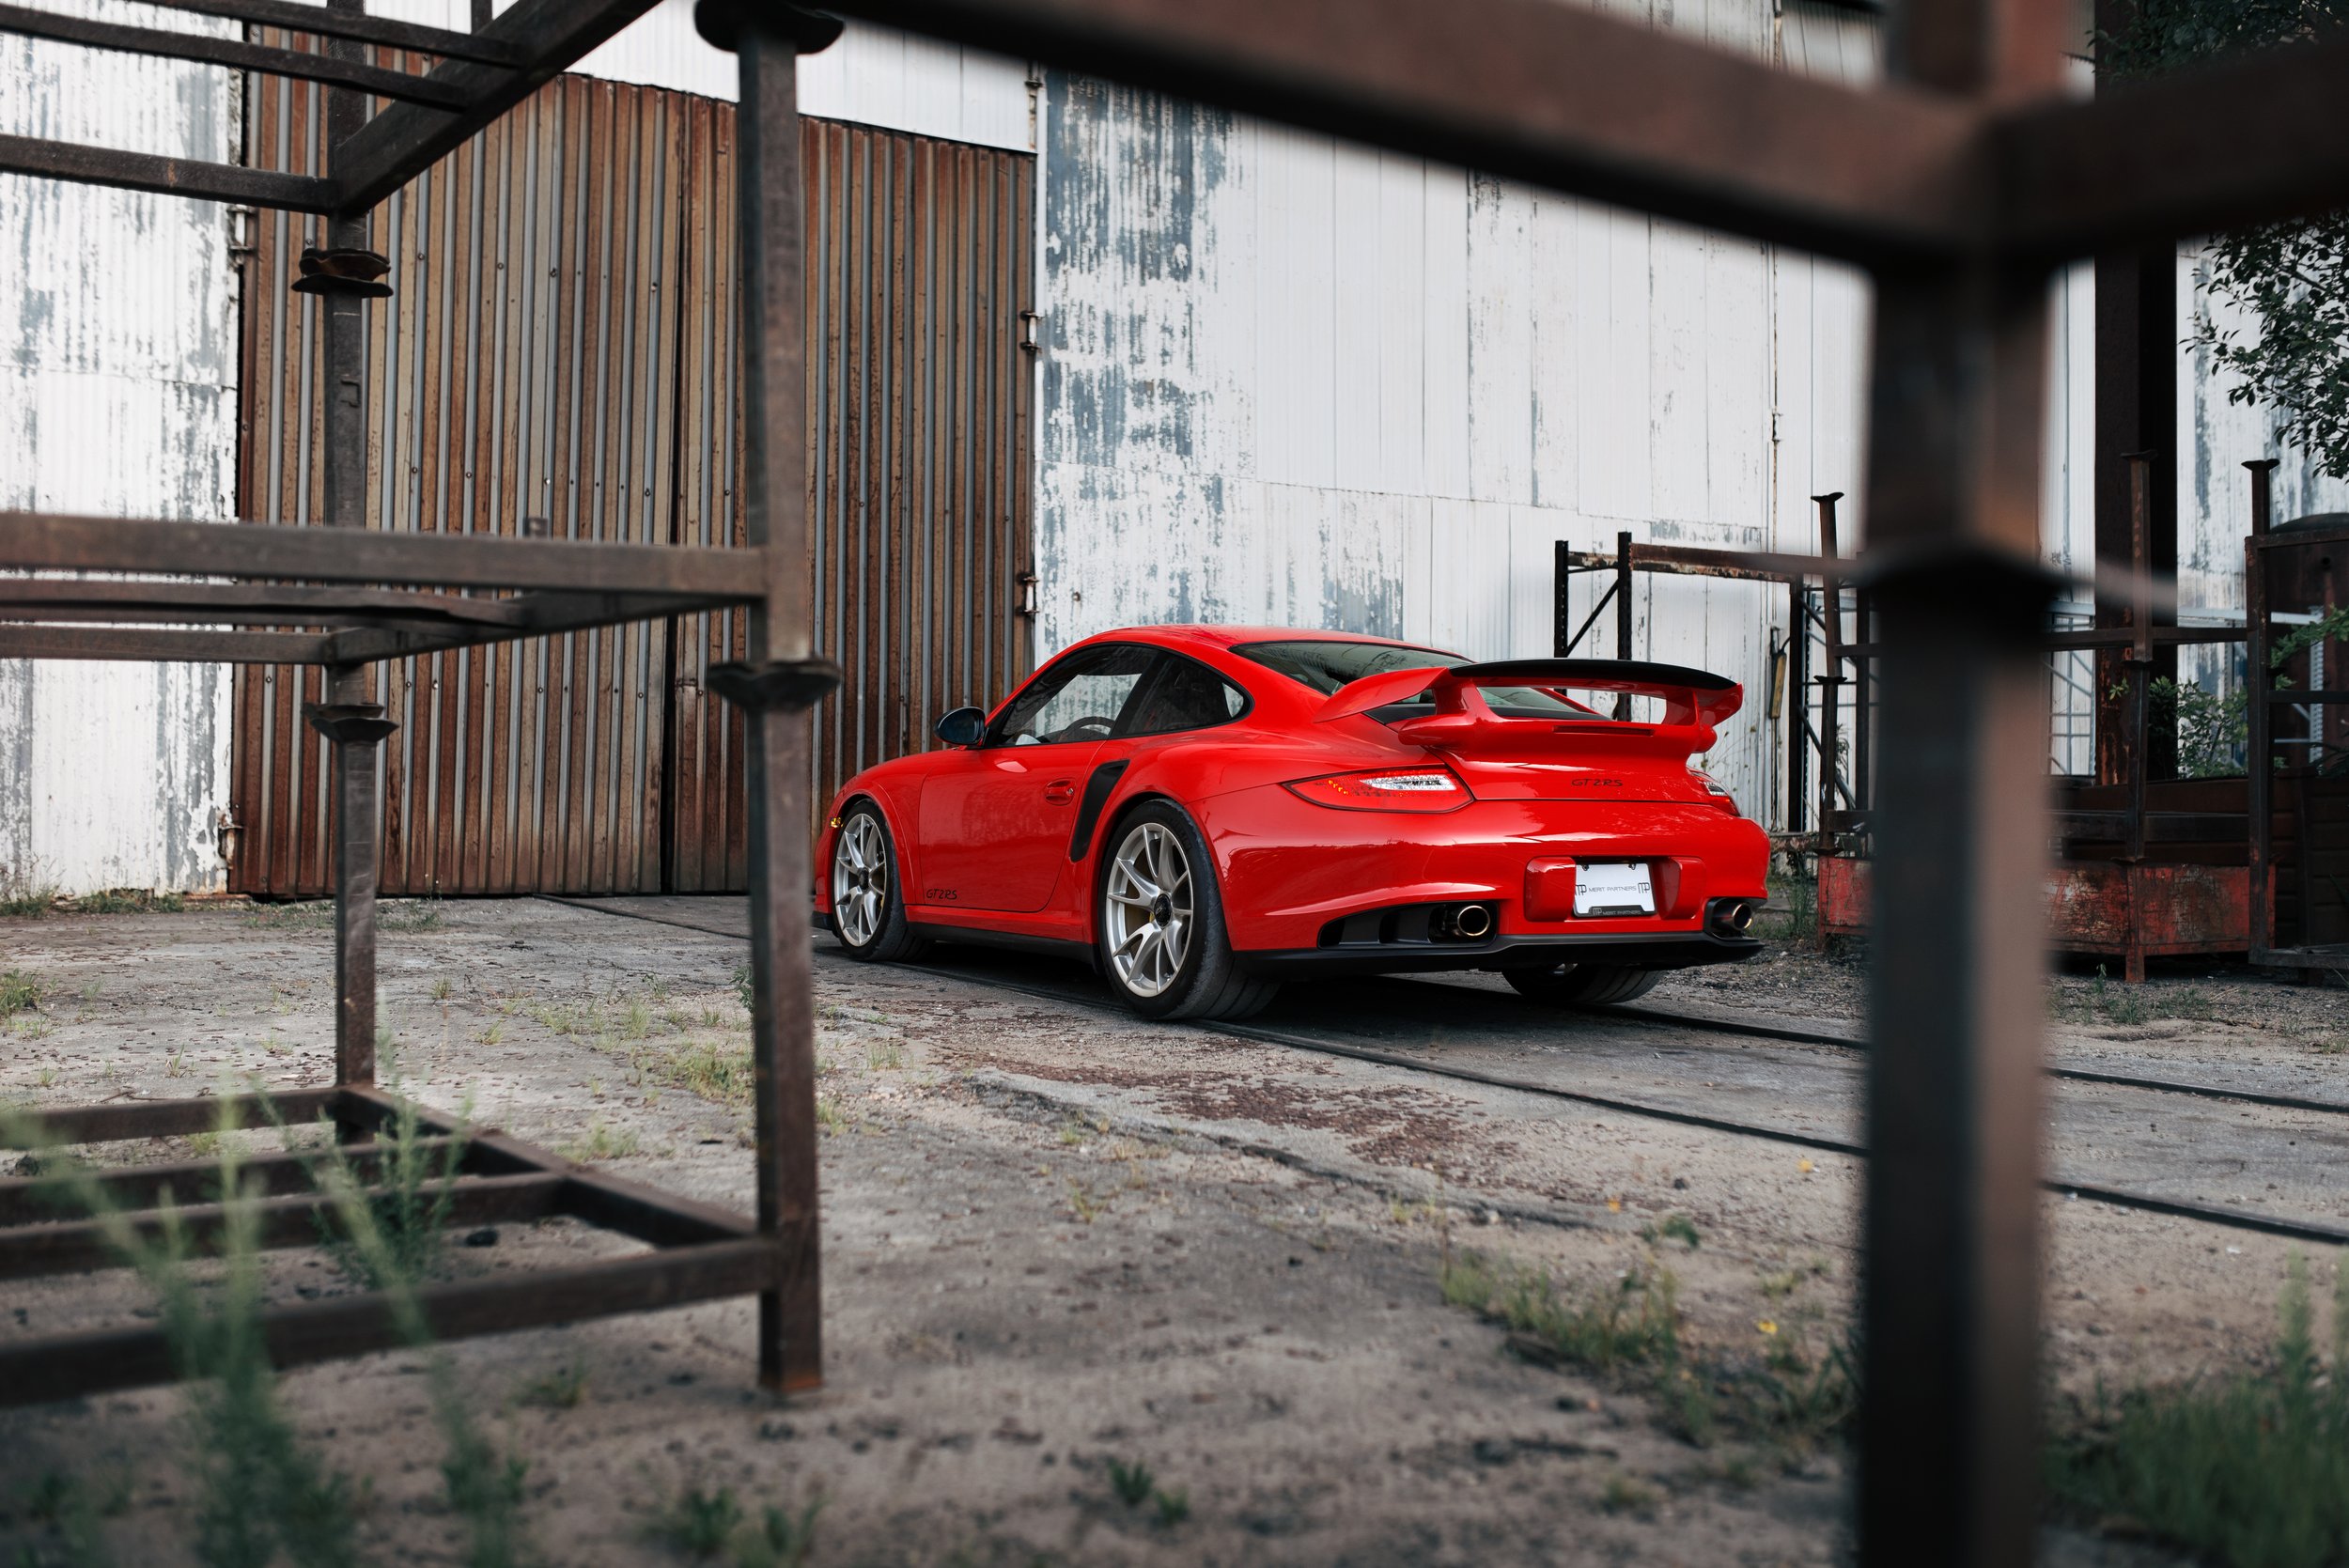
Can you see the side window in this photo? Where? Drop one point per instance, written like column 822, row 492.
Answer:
column 1080, row 698
column 1187, row 695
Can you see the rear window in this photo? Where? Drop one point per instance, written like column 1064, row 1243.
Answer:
column 1324, row 666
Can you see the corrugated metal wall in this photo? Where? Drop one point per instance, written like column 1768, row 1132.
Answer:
column 561, row 345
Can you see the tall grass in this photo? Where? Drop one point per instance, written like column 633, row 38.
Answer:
column 2249, row 1470
column 1627, row 1331
column 262, row 1494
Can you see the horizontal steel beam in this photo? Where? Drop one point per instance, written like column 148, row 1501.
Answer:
column 297, row 18
column 2249, row 141
column 24, row 1199
column 28, row 21
column 164, row 645
column 60, row 1366
column 547, row 37
column 109, row 1123
column 47, row 541
column 81, row 1246
column 50, row 599
column 1555, row 94
column 171, row 176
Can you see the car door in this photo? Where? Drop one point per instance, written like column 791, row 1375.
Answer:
column 995, row 819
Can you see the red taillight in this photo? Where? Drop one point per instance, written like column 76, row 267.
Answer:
column 1425, row 789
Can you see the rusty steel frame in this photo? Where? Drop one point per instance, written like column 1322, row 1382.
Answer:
column 364, row 596
column 1960, row 183
column 698, row 1252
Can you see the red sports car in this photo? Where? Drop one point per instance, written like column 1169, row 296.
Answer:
column 1202, row 812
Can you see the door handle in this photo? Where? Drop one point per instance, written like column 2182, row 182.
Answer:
column 1060, row 792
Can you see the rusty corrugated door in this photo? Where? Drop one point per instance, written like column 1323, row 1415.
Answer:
column 560, row 346
column 919, row 271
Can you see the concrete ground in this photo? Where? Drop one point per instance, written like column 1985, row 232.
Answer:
column 1057, row 1238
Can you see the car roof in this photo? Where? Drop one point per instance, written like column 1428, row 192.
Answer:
column 1232, row 636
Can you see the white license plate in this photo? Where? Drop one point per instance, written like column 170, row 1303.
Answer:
column 1614, row 888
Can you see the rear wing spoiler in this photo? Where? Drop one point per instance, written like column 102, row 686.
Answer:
column 1692, row 697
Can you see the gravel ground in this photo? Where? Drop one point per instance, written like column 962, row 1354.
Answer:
column 1057, row 1238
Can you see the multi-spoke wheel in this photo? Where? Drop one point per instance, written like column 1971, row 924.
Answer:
column 1161, row 925
column 1148, row 917
column 868, row 914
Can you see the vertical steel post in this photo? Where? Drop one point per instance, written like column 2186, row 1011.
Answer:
column 2137, row 742
column 1622, row 614
column 1561, row 615
column 350, row 688
column 2257, row 680
column 780, row 678
column 1948, row 1449
column 1831, row 677
column 1623, row 595
column 1797, row 701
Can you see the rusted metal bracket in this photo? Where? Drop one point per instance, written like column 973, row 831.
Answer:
column 720, row 23
column 349, row 723
column 785, row 686
column 356, row 273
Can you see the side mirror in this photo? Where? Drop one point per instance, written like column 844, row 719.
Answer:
column 964, row 726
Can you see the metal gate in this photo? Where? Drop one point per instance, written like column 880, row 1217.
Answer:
column 558, row 355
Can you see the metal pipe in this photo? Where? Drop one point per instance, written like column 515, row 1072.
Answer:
column 781, row 677
column 2257, row 680
column 1831, row 677
column 2136, row 734
column 1622, row 614
column 357, row 744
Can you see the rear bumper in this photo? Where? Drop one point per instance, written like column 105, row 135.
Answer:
column 1664, row 950
column 1290, row 869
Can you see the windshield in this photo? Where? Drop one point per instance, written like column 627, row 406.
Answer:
column 1324, row 666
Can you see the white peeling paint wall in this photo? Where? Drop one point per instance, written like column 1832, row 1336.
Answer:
column 118, row 395
column 1291, row 381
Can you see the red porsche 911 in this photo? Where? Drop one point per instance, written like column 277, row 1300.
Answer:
column 1204, row 812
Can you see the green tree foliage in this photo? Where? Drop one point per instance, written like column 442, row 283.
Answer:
column 2290, row 278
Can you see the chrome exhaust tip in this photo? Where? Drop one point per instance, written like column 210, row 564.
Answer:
column 1730, row 917
column 1469, row 921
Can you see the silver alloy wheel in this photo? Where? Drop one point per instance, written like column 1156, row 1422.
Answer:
column 859, row 880
column 1147, row 916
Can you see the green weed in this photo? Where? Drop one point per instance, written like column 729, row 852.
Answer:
column 259, row 1491
column 701, row 1523
column 19, row 993
column 1173, row 1505
column 707, row 1525
column 1672, row 1227
column 2249, row 1470
column 1624, row 1494
column 1628, row 1330
column 315, row 915
column 602, row 1141
column 561, row 1390
column 28, row 902
column 127, row 901
column 408, row 914
column 407, row 1207
column 709, row 1068
column 1129, row 1483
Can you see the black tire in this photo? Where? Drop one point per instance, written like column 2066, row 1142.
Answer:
column 1583, row 984
column 888, row 939
column 1207, row 981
